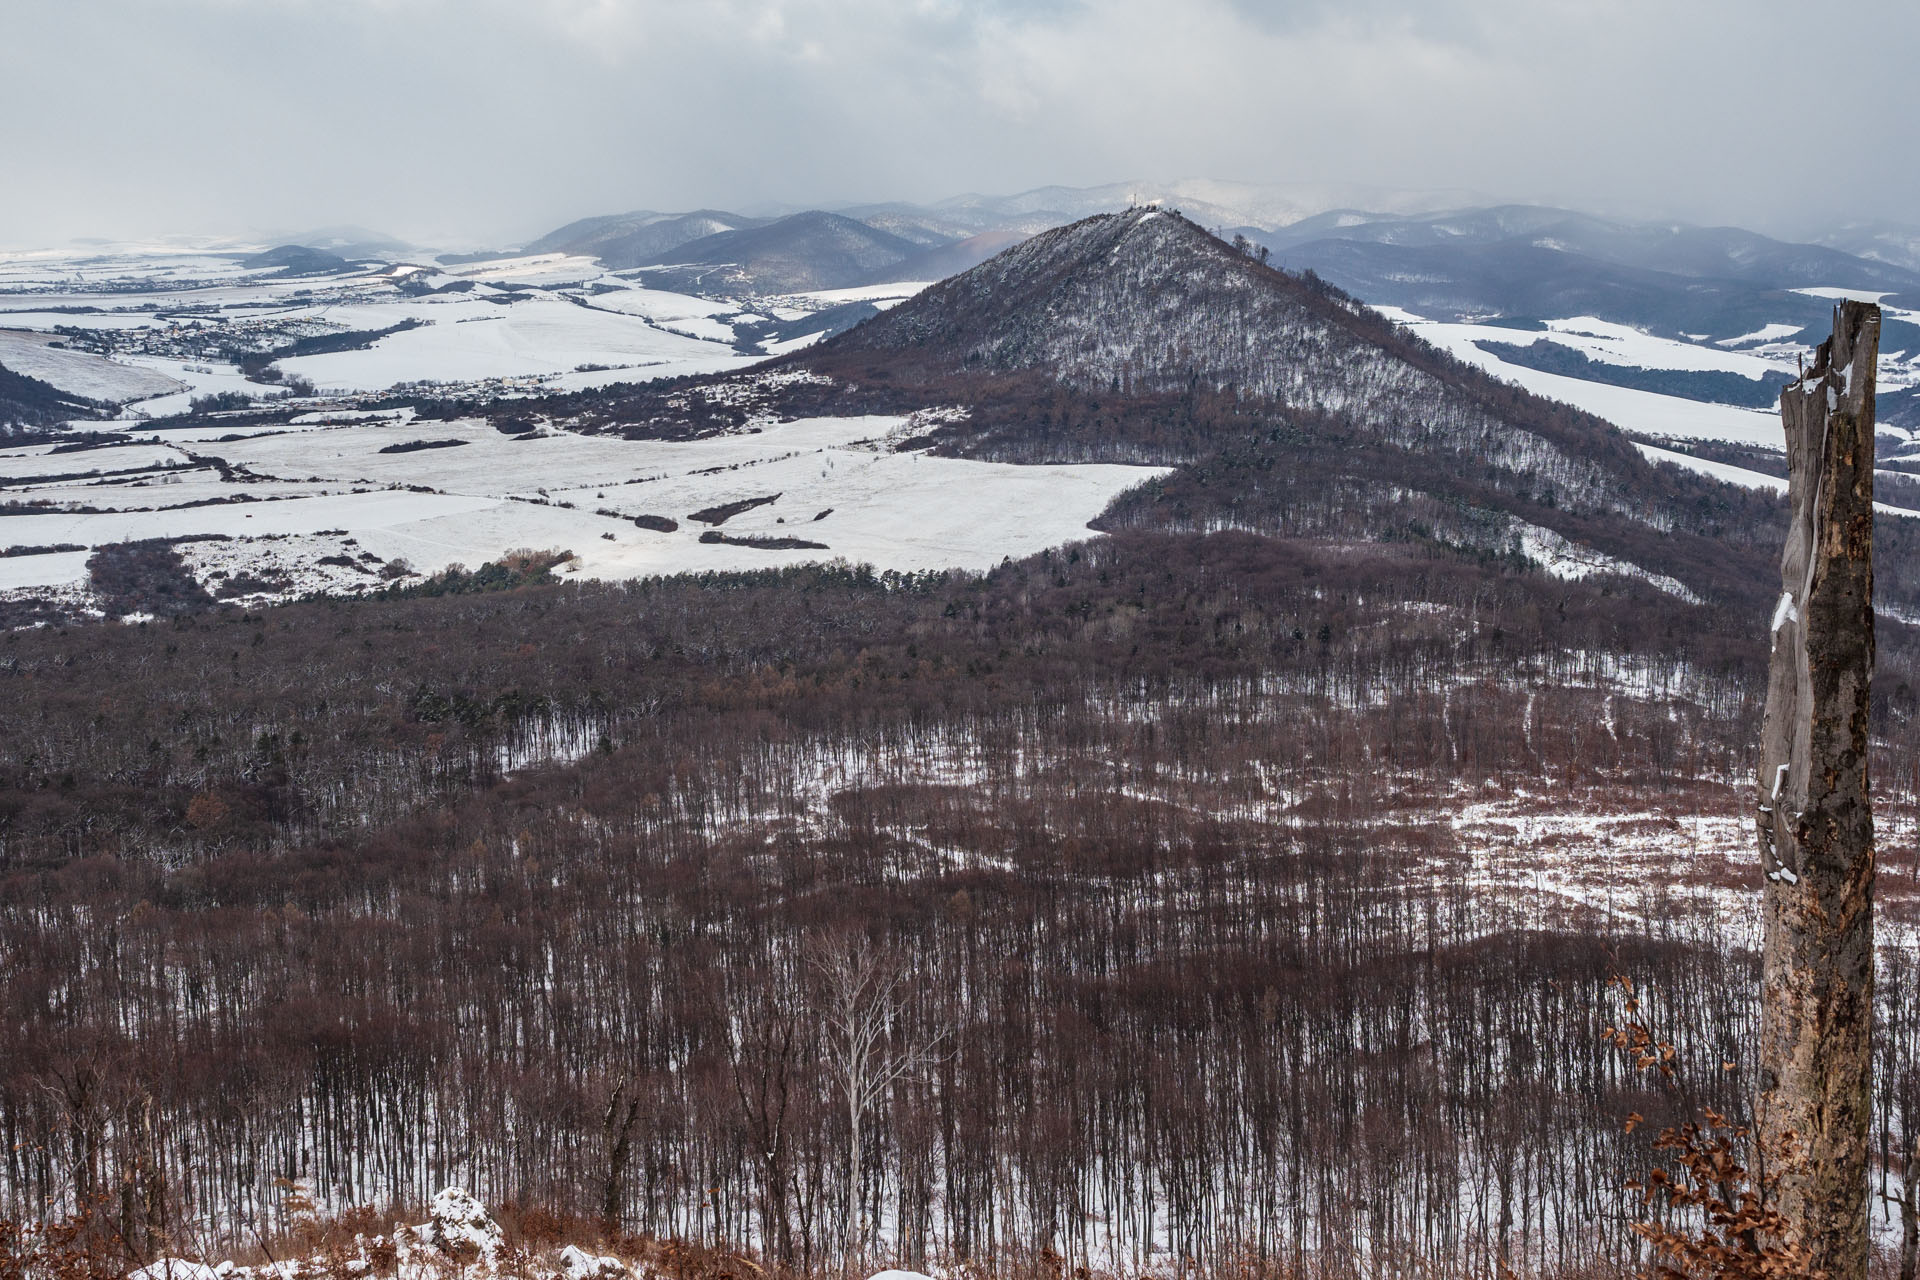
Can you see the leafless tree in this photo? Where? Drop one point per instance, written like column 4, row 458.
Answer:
column 871, row 1044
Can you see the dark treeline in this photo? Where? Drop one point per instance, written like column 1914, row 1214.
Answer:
column 538, row 891
column 29, row 406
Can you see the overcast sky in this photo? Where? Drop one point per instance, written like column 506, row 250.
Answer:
column 490, row 121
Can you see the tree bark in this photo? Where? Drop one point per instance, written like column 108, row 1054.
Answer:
column 1910, row 1211
column 1815, row 818
column 622, row 1112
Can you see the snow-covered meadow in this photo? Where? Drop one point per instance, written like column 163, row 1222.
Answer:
column 314, row 504
column 1767, row 352
column 540, row 322
column 274, row 505
column 1641, row 412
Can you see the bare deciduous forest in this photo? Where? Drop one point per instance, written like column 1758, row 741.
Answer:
column 1251, row 890
column 529, row 891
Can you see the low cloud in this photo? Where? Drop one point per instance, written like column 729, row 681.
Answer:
column 488, row 121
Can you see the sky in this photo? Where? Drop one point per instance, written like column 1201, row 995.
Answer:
column 471, row 123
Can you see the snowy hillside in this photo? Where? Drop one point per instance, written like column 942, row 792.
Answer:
column 327, row 505
column 1147, row 303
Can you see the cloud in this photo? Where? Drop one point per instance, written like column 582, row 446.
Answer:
column 490, row 120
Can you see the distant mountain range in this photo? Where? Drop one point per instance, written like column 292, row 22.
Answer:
column 812, row 250
column 1520, row 261
column 625, row 240
column 1442, row 254
column 714, row 251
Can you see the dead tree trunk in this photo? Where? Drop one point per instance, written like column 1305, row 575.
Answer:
column 622, row 1111
column 1815, row 818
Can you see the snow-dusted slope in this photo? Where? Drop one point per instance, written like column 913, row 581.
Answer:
column 1147, row 302
column 80, row 373
column 321, row 507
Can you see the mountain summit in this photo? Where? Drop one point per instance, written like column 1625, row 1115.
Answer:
column 1288, row 407
column 1146, row 303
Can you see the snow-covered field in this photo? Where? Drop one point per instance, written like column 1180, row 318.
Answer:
column 150, row 327
column 544, row 335
column 1768, row 351
column 80, row 373
column 293, row 498
column 165, row 321
column 1641, row 412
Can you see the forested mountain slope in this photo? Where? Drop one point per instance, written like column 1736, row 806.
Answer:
column 811, row 250
column 1289, row 408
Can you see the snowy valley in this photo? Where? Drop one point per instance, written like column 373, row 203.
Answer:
column 522, row 722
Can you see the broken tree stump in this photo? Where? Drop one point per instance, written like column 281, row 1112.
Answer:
column 1815, row 817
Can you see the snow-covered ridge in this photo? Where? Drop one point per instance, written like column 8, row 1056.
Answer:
column 1146, row 301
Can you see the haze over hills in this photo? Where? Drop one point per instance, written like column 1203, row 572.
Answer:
column 1519, row 261
column 1443, row 255
column 1891, row 242
column 1726, row 253
column 805, row 251
column 632, row 239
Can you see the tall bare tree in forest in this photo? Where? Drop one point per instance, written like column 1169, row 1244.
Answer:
column 1815, row 816
column 870, row 1047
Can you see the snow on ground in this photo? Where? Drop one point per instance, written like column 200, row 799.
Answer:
column 1718, row 470
column 1742, row 476
column 26, row 313
column 1565, row 559
column 660, row 305
column 326, row 490
column 459, row 1237
column 1618, row 865
column 1840, row 295
column 541, row 335
column 21, row 465
column 200, row 380
column 114, row 265
column 508, row 326
column 540, row 270
column 893, row 510
column 80, row 373
column 1624, row 345
column 356, row 511
column 148, row 491
column 793, row 344
column 55, row 569
column 1762, row 336
column 1641, row 412
column 709, row 360
column 880, row 295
